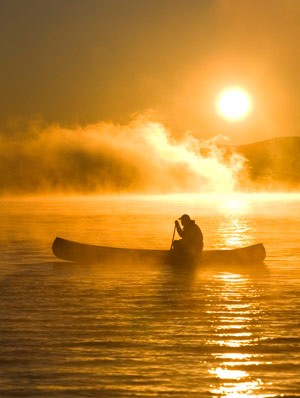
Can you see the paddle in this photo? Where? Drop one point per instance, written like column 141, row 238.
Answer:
column 173, row 236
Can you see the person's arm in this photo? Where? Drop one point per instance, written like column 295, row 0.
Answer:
column 179, row 229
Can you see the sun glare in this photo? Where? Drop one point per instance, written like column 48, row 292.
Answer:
column 234, row 103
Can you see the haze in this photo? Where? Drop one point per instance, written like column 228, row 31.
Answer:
column 72, row 70
column 138, row 157
column 84, row 61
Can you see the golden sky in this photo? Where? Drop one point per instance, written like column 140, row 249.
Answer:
column 85, row 61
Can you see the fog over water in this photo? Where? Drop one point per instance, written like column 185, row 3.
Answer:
column 142, row 157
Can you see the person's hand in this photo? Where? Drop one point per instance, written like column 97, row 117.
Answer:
column 177, row 223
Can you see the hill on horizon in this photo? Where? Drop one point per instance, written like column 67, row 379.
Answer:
column 273, row 164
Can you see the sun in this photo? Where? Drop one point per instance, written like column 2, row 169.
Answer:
column 234, row 103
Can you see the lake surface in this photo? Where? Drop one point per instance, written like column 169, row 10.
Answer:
column 145, row 330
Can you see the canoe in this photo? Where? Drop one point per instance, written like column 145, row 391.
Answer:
column 83, row 253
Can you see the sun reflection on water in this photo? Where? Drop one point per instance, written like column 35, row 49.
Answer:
column 229, row 374
column 234, row 229
column 235, row 320
column 245, row 389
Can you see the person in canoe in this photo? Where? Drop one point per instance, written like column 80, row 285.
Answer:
column 190, row 245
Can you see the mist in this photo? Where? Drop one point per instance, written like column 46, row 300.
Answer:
column 140, row 157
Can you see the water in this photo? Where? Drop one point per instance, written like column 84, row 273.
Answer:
column 144, row 330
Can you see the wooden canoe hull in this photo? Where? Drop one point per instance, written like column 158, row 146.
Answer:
column 83, row 253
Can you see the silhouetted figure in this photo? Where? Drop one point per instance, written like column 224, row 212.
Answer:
column 190, row 245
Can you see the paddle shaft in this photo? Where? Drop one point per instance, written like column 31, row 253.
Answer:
column 173, row 236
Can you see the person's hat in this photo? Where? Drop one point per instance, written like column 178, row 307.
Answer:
column 185, row 217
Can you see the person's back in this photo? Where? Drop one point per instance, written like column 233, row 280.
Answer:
column 191, row 243
column 192, row 238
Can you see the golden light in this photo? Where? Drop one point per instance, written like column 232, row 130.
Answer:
column 229, row 373
column 232, row 320
column 234, row 103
